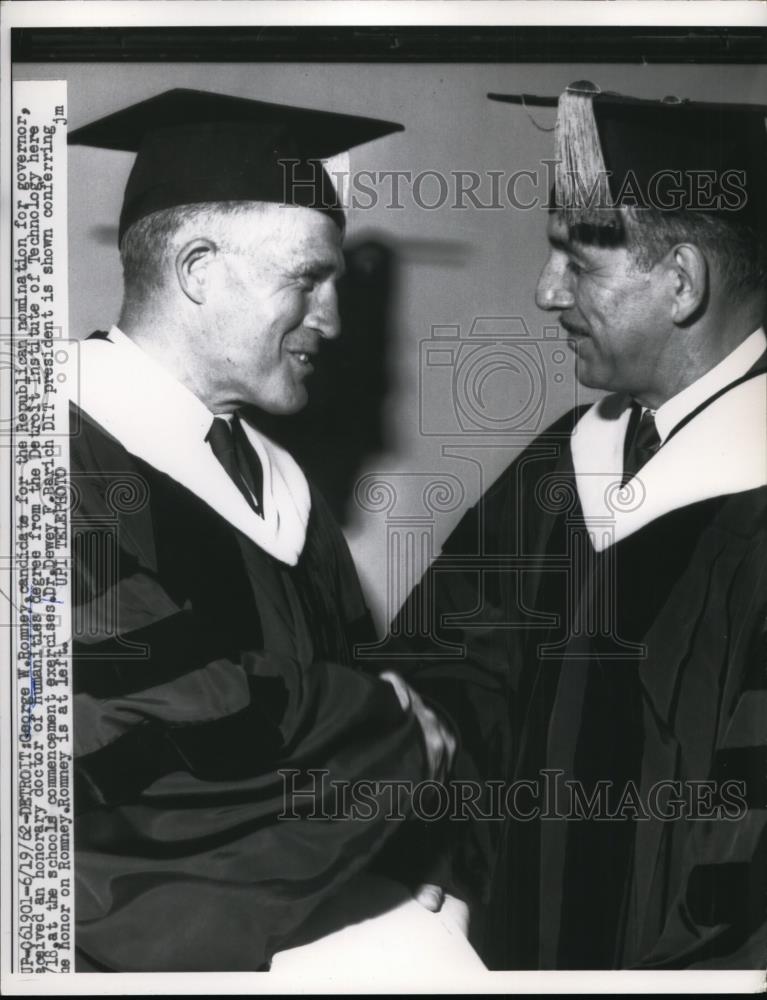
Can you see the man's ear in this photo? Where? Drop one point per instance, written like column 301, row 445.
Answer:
column 192, row 264
column 690, row 276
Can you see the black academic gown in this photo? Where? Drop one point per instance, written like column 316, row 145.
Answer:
column 640, row 664
column 203, row 668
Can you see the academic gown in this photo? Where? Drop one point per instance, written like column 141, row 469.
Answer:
column 203, row 667
column 625, row 646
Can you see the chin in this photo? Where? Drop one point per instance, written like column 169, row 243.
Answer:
column 584, row 375
column 591, row 379
column 283, row 407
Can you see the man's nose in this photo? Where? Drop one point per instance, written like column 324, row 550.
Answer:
column 553, row 289
column 323, row 314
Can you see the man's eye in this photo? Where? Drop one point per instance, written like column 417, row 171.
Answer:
column 574, row 267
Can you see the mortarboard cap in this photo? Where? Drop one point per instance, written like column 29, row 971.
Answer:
column 194, row 146
column 617, row 151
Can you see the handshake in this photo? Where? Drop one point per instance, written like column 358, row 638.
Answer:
column 440, row 746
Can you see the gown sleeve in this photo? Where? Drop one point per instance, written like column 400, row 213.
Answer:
column 449, row 643
column 460, row 636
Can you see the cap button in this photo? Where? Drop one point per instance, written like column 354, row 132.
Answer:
column 584, row 87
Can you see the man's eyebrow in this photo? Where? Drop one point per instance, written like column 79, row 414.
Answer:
column 322, row 267
column 565, row 243
column 569, row 245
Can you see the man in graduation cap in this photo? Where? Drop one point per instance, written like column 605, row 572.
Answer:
column 613, row 580
column 216, row 606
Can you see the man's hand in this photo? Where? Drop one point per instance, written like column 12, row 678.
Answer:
column 438, row 740
column 454, row 911
column 430, row 896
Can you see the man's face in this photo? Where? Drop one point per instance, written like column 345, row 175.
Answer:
column 613, row 312
column 271, row 303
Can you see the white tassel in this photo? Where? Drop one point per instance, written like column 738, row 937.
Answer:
column 581, row 176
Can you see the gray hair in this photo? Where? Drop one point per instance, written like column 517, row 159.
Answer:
column 148, row 248
column 740, row 251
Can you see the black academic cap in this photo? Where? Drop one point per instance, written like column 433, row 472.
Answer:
column 194, row 146
column 670, row 154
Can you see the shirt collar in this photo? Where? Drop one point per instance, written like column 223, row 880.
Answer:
column 737, row 363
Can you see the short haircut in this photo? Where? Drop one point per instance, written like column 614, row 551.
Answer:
column 148, row 247
column 738, row 250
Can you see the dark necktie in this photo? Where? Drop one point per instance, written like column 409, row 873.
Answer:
column 231, row 447
column 642, row 441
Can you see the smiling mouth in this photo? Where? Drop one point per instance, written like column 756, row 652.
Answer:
column 572, row 331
